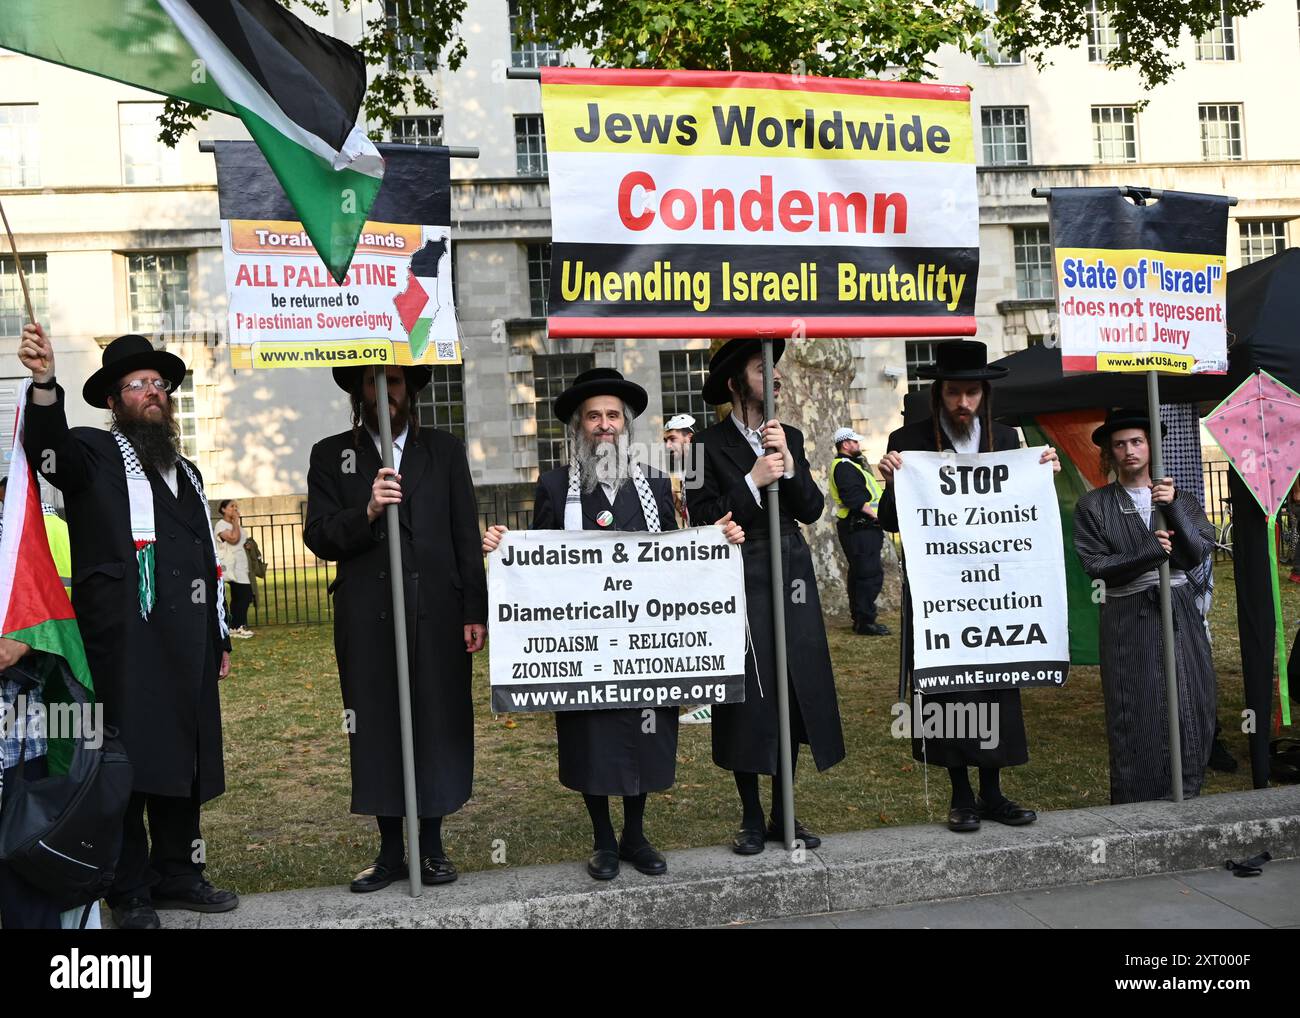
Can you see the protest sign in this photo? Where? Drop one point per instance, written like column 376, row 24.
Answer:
column 585, row 620
column 985, row 570
column 697, row 203
column 1140, row 287
column 394, row 306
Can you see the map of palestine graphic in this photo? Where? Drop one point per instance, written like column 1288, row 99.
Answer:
column 417, row 306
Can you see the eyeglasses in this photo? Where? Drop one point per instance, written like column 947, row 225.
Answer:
column 138, row 385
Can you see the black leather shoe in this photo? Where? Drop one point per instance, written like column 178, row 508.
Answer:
column 747, row 842
column 1221, row 759
column 645, row 858
column 963, row 818
column 437, row 869
column 1007, row 812
column 801, row 833
column 377, row 876
column 200, row 897
column 873, row 629
column 603, row 864
column 135, row 914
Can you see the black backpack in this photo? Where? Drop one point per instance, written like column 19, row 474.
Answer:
column 63, row 833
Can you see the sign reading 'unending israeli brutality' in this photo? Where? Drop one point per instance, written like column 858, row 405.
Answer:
column 584, row 620
column 701, row 203
column 985, row 570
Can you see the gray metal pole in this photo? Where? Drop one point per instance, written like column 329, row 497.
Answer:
column 454, row 151
column 396, row 573
column 1166, row 597
column 778, row 612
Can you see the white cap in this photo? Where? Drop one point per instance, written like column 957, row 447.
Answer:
column 680, row 422
column 845, row 434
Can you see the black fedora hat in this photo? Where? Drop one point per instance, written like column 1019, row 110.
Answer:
column 730, row 356
column 599, row 382
column 124, row 355
column 1121, row 418
column 417, row 376
column 961, row 360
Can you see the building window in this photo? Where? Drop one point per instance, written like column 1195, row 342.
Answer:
column 1221, row 131
column 1005, row 131
column 158, row 292
column 681, row 377
column 1261, row 238
column 410, row 46
column 416, row 131
column 20, row 148
column 993, row 54
column 187, row 416
column 1220, row 42
column 920, row 353
column 1103, row 36
column 1114, row 134
column 552, row 374
column 145, row 160
column 530, row 146
column 441, row 403
column 13, row 310
column 1033, row 252
column 539, row 279
column 530, row 54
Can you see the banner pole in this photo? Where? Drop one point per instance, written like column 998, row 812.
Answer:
column 18, row 265
column 1166, row 595
column 396, row 574
column 778, row 612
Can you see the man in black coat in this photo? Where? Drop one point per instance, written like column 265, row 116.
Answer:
column 961, row 420
column 149, row 606
column 742, row 456
column 612, row 751
column 446, row 611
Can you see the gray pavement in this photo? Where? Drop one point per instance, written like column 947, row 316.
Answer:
column 1114, row 865
column 1202, row 899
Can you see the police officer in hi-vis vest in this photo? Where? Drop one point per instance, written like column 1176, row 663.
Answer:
column 856, row 494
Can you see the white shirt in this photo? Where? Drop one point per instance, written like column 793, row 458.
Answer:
column 755, row 440
column 1142, row 501
column 970, row 443
column 169, row 478
column 399, row 443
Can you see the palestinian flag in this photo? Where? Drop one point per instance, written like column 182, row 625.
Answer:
column 296, row 90
column 417, row 306
column 34, row 606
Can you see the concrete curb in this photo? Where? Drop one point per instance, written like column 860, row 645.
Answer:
column 713, row 886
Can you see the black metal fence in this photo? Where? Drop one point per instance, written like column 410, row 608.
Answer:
column 295, row 589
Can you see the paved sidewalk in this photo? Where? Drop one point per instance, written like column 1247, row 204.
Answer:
column 1028, row 874
column 1204, row 899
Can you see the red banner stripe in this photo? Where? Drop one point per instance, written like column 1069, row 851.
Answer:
column 827, row 326
column 644, row 78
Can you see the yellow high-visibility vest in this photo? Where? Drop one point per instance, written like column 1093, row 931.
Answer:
column 56, row 531
column 873, row 486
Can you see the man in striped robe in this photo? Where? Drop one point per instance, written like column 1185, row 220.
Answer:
column 1116, row 542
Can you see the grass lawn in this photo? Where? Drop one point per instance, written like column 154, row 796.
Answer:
column 284, row 820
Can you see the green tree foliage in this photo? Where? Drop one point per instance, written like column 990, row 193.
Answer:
column 838, row 38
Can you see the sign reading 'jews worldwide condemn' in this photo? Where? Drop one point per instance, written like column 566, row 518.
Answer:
column 1140, row 287
column 698, row 203
column 583, row 620
column 985, row 570
column 394, row 306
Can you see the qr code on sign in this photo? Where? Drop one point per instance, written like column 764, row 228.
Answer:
column 446, row 349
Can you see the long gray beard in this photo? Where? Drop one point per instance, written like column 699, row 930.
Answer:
column 602, row 463
column 960, row 429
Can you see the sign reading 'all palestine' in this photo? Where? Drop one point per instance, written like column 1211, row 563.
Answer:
column 1141, row 287
column 395, row 306
column 582, row 620
column 700, row 203
column 985, row 570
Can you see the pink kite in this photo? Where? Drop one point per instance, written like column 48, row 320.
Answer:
column 1258, row 426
